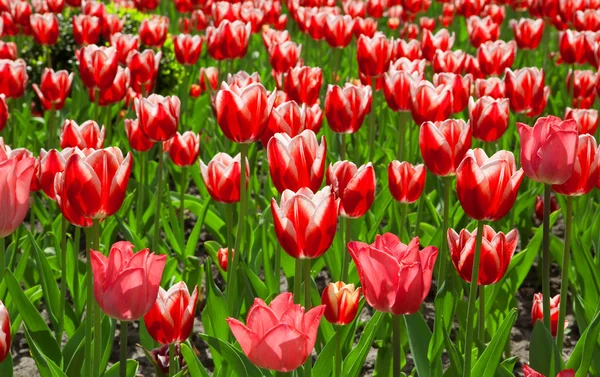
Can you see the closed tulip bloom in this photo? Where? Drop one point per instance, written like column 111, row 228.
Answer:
column 497, row 250
column 341, row 302
column 397, row 86
column 460, row 86
column 137, row 139
column 537, row 311
column 210, row 76
column 487, row 187
column 373, row 54
column 117, row 91
column 280, row 336
column 44, row 28
column 411, row 66
column 8, row 50
column 96, row 181
column 571, row 47
column 581, row 84
column 88, row 135
column 187, row 48
column 528, row 32
column 242, row 79
column 549, row 149
column 183, row 148
column 430, row 103
column 472, row 67
column 86, row 29
column 395, row 277
column 585, row 171
column 171, row 318
column 449, row 61
column 159, row 116
column 587, row 119
column 55, row 6
column 442, row 40
column 529, row 372
column 338, row 30
column 222, row 177
column 153, row 32
column 243, row 113
column 284, row 56
column 355, row 8
column 124, row 44
column 50, row 164
column 98, row 66
column 54, row 88
column 4, row 332
column 297, row 162
column 143, row 67
column 223, row 257
column 406, row 182
column 488, row 117
column 444, row 144
column 525, row 89
column 94, row 8
column 470, row 8
column 4, row 115
column 346, row 108
column 13, row 78
column 112, row 24
column 291, row 119
column 490, row 87
column 365, row 26
column 355, row 187
column 482, row 30
column 15, row 185
column 272, row 36
column 495, row 57
column 410, row 50
column 126, row 284
column 303, row 84
column 587, row 20
column 229, row 40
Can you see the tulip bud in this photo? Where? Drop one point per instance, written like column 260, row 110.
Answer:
column 338, row 30
column 229, row 40
column 528, row 32
column 223, row 257
column 187, row 48
column 183, row 148
column 373, row 54
column 222, row 177
column 284, row 56
column 537, row 311
column 441, row 149
column 98, row 66
column 88, row 135
column 347, row 108
column 54, row 88
column 341, row 302
column 124, row 44
column 14, row 78
column 431, row 103
column 488, row 117
column 355, row 187
column 137, row 139
column 158, row 116
column 153, row 32
column 406, row 182
column 495, row 57
column 86, row 29
column 442, row 40
column 44, row 28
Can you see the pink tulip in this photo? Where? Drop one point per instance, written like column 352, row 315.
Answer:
column 15, row 183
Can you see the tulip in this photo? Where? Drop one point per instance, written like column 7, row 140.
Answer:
column 13, row 78
column 355, row 8
column 539, row 207
column 271, row 36
column 116, row 92
column 183, row 148
column 292, row 119
column 86, row 29
column 338, row 30
column 346, row 108
column 449, row 61
column 111, row 25
column 222, row 177
column 143, row 67
column 410, row 50
column 153, row 32
column 54, row 88
column 410, row 66
column 364, row 26
column 243, row 113
column 126, row 284
column 171, row 318
column 491, row 87
column 284, row 56
column 187, row 48
column 158, row 116
column 137, row 139
column 355, row 187
column 94, row 8
column 98, row 66
column 482, row 30
column 395, row 277
column 472, row 67
column 470, row 8
column 525, row 89
column 4, row 332
column 528, row 32
column 124, row 44
column 278, row 337
column 430, row 103
column 229, row 40
column 223, row 257
column 581, row 84
column 529, row 372
column 571, row 47
column 341, row 302
column 587, row 119
column 303, row 84
column 495, row 57
column 55, row 6
column 537, row 312
column 242, row 79
column 373, row 54
column 406, row 182
column 15, row 184
column 488, row 117
column 460, row 86
column 585, row 171
column 487, row 187
column 444, row 144
column 396, row 88
column 548, row 149
column 8, row 50
column 3, row 112
column 442, row 40
column 587, row 20
column 88, row 135
column 497, row 250
column 210, row 76
column 44, row 28
column 50, row 164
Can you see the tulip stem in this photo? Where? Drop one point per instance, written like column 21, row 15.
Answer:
column 447, row 182
column 63, row 279
column 402, row 220
column 472, row 296
column 182, row 207
column 51, row 131
column 298, row 281
column 338, row 352
column 396, row 345
column 372, row 124
column 172, row 365
column 229, row 223
column 123, row 360
column 159, row 189
column 345, row 254
column 140, row 193
column 89, row 314
column 97, row 310
column 307, row 305
column 546, row 257
column 401, row 136
column 419, row 214
column 564, row 284
column 481, row 319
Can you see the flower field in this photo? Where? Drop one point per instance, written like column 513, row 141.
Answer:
column 299, row 188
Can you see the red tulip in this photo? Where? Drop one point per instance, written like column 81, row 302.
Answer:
column 88, row 135
column 145, row 5
column 585, row 171
column 8, row 50
column 4, row 332
column 111, row 25
column 303, row 84
column 224, row 10
column 497, row 250
column 488, row 117
column 187, row 48
column 472, row 67
column 495, row 57
column 15, row 185
column 490, row 87
column 525, row 89
column 430, row 103
column 355, row 8
column 338, row 30
column 55, row 6
column 355, row 187
column 444, row 144
column 448, row 12
column 411, row 66
column 153, row 31
column 126, row 284
column 395, row 277
column 415, row 6
column 410, row 50
column 528, row 32
column 229, row 40
column 50, row 164
column 116, row 92
column 373, row 54
column 406, row 182
column 448, row 61
column 171, row 318
column 568, row 8
column 537, row 311
column 587, row 20
column 460, row 86
column 291, row 119
column 21, row 11
column 3, row 112
column 158, row 116
column 341, row 302
column 44, row 28
column 482, row 30
column 94, row 8
column 86, row 29
column 397, row 87
column 571, row 46
column 442, row 40
column 278, row 337
column 549, row 149
column 469, row 8
column 365, row 26
column 54, row 88
column 13, row 78
column 223, row 257
column 222, row 177
column 487, row 187
column 137, row 139
column 97, row 66
column 346, row 108
column 271, row 36
column 210, row 76
column 539, row 207
column 242, row 79
column 183, row 148
column 496, row 12
column 529, row 372
column 124, row 44
column 143, row 67
column 243, row 113
column 284, row 56
column 582, row 85
column 587, row 119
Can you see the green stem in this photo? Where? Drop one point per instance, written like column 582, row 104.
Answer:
column 277, row 268
column 182, row 207
column 472, row 297
column 157, row 224
column 229, row 223
column 419, row 214
column 185, row 93
column 345, row 254
column 447, row 181
column 2, row 258
column 343, row 147
column 172, row 362
column 48, row 56
column 401, row 136
column 481, row 319
column 97, row 311
column 372, row 124
column 63, row 279
column 307, row 305
column 546, row 257
column 108, row 126
column 139, row 208
column 51, row 131
column 338, row 352
column 402, row 221
column 97, row 105
column 298, row 281
column 396, row 345
column 123, row 360
column 89, row 314
column 564, row 284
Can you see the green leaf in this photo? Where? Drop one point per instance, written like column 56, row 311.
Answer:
column 489, row 360
column 354, row 362
column 132, row 367
column 419, row 336
column 324, row 364
column 235, row 358
column 543, row 353
column 6, row 367
column 581, row 358
column 195, row 367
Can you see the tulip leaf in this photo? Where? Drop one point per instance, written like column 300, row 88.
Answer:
column 324, row 365
column 192, row 242
column 354, row 362
column 113, row 371
column 195, row 367
column 6, row 367
column 419, row 336
column 215, row 313
column 109, row 325
column 456, row 360
column 489, row 360
column 235, row 358
column 581, row 358
column 73, row 353
column 543, row 353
